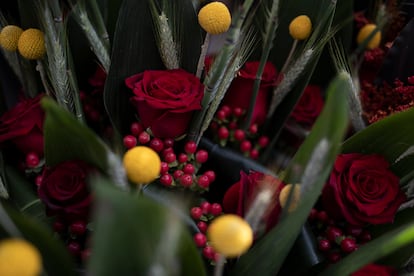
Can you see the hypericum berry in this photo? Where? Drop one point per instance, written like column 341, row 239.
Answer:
column 78, row 228
column 156, row 144
column 188, row 169
column 166, row 180
column 348, row 245
column 177, row 174
column 130, row 141
column 253, row 129
column 196, row 213
column 201, row 156
column 93, row 115
column 144, row 138
column 245, row 146
column 353, row 230
column 200, row 239
column 203, row 181
column 208, row 252
column 202, row 226
column 59, row 226
column 324, row 245
column 332, row 233
column 205, row 207
column 186, row 180
column 164, row 167
column 238, row 112
column 239, row 134
column 322, row 217
column 211, row 175
column 221, row 115
column 334, row 257
column 365, row 236
column 254, row 154
column 168, row 142
column 74, row 248
column 223, row 133
column 215, row 209
column 182, row 158
column 263, row 141
column 313, row 214
column 190, row 147
column 226, row 109
column 233, row 125
column 85, row 255
column 32, row 160
column 167, row 151
column 39, row 180
column 136, row 129
column 170, row 157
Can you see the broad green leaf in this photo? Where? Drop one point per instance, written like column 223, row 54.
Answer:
column 133, row 235
column 68, row 139
column 310, row 167
column 372, row 251
column 56, row 259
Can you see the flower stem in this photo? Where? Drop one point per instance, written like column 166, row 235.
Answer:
column 218, row 270
column 204, row 49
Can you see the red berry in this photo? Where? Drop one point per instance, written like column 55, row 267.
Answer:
column 238, row 112
column 32, row 160
column 166, row 180
column 253, row 129
column 188, row 169
column 245, row 146
column 354, row 231
column 186, row 180
column 226, row 109
column 215, row 209
column 136, row 128
column 190, row 147
column 39, row 180
column 201, row 156
column 211, row 175
column 203, row 181
column 205, row 207
column 239, row 134
column 59, row 226
column 202, row 226
column 332, row 233
column 168, row 142
column 164, row 167
column 130, row 141
column 170, row 157
column 365, row 236
column 348, row 245
column 208, row 252
column 156, row 144
column 74, row 248
column 254, row 154
column 167, row 151
column 322, row 217
column 144, row 138
column 85, row 255
column 182, row 158
column 221, row 115
column 78, row 228
column 223, row 133
column 200, row 239
column 324, row 245
column 233, row 125
column 313, row 214
column 334, row 257
column 196, row 213
column 177, row 174
column 94, row 115
column 263, row 141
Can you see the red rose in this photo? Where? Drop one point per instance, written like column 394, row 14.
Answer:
column 241, row 90
column 362, row 190
column 309, row 106
column 64, row 190
column 240, row 196
column 377, row 270
column 166, row 100
column 23, row 126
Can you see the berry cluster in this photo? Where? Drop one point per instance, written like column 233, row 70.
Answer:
column 178, row 169
column 227, row 130
column 336, row 239
column 203, row 215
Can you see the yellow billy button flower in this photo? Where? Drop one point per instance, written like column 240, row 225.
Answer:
column 294, row 199
column 365, row 32
column 214, row 18
column 31, row 44
column 9, row 36
column 230, row 235
column 19, row 258
column 300, row 28
column 142, row 165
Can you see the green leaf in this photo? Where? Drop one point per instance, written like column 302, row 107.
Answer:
column 372, row 251
column 68, row 139
column 56, row 259
column 137, row 236
column 310, row 166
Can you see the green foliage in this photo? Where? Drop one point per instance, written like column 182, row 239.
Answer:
column 134, row 235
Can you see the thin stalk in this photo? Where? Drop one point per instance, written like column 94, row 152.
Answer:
column 100, row 23
column 218, row 270
column 288, row 59
column 41, row 70
column 204, row 49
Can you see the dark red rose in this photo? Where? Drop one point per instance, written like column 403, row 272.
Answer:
column 377, row 270
column 241, row 89
column 64, row 190
column 309, row 106
column 23, row 126
column 166, row 100
column 240, row 195
column 362, row 190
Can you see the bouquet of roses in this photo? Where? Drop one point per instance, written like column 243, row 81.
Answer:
column 184, row 137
